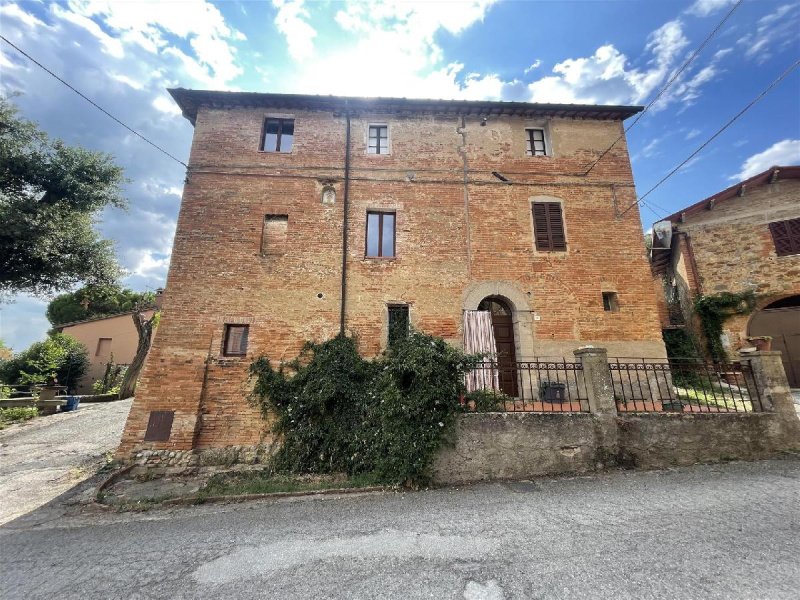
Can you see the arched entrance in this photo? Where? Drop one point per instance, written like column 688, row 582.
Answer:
column 503, row 326
column 781, row 321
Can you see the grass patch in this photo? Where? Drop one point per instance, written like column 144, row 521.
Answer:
column 266, row 482
column 9, row 416
column 714, row 397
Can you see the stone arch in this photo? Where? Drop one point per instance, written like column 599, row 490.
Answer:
column 519, row 303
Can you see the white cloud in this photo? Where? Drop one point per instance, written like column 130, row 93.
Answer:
column 785, row 152
column 703, row 8
column 13, row 11
column 534, row 65
column 292, row 22
column 692, row 133
column 166, row 104
column 111, row 46
column 774, row 32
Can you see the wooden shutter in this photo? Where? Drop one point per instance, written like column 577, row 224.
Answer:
column 548, row 227
column 159, row 426
column 786, row 235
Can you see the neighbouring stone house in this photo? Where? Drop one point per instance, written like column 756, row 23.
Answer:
column 746, row 237
column 303, row 216
column 106, row 338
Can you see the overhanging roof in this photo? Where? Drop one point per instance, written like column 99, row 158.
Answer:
column 190, row 100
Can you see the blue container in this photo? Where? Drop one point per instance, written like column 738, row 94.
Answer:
column 72, row 404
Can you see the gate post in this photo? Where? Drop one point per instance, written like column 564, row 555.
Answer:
column 598, row 379
column 771, row 382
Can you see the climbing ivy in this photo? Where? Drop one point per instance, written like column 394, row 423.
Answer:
column 715, row 309
column 338, row 412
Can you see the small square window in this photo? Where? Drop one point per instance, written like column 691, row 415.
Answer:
column 380, row 234
column 610, row 302
column 235, row 343
column 398, row 323
column 378, row 142
column 535, row 143
column 786, row 236
column 278, row 135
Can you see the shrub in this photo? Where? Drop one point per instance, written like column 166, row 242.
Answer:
column 60, row 356
column 337, row 412
column 16, row 415
column 112, row 378
column 487, row 400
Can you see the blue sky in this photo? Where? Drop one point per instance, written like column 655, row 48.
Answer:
column 124, row 54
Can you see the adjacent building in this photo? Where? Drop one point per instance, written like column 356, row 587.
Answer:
column 304, row 216
column 746, row 237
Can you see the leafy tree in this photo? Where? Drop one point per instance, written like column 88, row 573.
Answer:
column 51, row 195
column 96, row 301
column 59, row 355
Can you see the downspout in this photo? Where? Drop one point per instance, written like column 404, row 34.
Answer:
column 345, row 204
column 462, row 131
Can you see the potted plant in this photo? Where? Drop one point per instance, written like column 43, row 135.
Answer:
column 763, row 343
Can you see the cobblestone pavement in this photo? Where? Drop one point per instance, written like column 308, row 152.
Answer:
column 721, row 531
column 42, row 458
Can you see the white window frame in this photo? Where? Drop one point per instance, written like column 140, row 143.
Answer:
column 548, row 145
column 388, row 139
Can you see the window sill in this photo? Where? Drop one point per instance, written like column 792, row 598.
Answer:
column 276, row 153
column 379, row 258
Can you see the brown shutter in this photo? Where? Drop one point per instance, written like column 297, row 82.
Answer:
column 159, row 426
column 548, row 227
column 786, row 235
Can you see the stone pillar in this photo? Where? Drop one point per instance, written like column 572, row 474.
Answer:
column 770, row 378
column 598, row 379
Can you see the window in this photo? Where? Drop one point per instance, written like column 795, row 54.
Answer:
column 786, row 235
column 273, row 238
column 548, row 227
column 278, row 135
column 398, row 323
column 535, row 144
column 380, row 234
column 235, row 343
column 378, row 139
column 610, row 302
column 103, row 347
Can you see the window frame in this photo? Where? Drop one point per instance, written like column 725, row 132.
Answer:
column 610, row 299
column 786, row 236
column 547, row 201
column 380, row 254
column 280, row 119
column 226, row 337
column 390, row 309
column 388, row 139
column 545, row 141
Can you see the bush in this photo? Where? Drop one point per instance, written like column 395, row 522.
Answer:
column 487, row 400
column 9, row 416
column 112, row 378
column 60, row 356
column 386, row 418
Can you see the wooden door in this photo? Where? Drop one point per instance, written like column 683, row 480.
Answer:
column 503, row 327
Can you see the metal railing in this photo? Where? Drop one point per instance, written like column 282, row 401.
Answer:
column 683, row 386
column 537, row 386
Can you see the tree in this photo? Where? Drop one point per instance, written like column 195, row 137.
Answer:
column 145, row 328
column 60, row 355
column 96, row 301
column 51, row 195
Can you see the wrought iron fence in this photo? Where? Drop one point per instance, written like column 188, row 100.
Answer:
column 538, row 386
column 683, row 386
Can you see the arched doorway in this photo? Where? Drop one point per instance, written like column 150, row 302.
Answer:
column 503, row 326
column 781, row 321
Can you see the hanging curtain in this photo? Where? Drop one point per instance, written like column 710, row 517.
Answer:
column 479, row 339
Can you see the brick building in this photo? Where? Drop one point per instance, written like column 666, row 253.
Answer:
column 746, row 237
column 303, row 215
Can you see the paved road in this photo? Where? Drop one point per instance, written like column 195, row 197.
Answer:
column 42, row 458
column 725, row 531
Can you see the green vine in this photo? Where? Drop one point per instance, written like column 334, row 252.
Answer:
column 714, row 310
column 386, row 418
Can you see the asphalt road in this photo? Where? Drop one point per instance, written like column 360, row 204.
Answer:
column 725, row 531
column 42, row 458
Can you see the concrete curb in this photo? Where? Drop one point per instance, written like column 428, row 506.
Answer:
column 189, row 500
column 109, row 480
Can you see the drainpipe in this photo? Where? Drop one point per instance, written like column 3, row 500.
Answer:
column 345, row 203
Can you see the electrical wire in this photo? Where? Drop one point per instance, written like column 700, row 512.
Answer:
column 669, row 83
column 730, row 122
column 90, row 101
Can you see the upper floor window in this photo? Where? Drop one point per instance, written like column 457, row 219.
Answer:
column 535, row 144
column 278, row 135
column 380, row 234
column 378, row 139
column 235, row 342
column 786, row 236
column 548, row 227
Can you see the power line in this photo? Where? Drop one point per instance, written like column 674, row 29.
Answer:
column 668, row 84
column 90, row 101
column 730, row 122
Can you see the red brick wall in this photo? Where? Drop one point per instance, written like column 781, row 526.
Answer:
column 218, row 275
